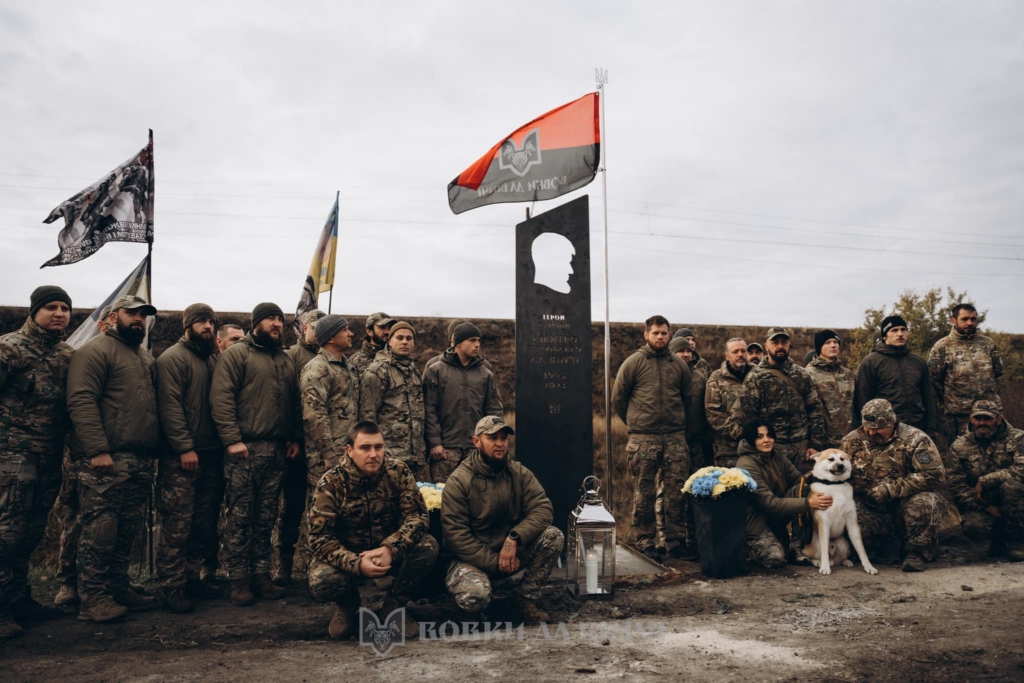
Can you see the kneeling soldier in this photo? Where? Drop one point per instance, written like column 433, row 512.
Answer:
column 986, row 478
column 897, row 479
column 496, row 520
column 368, row 520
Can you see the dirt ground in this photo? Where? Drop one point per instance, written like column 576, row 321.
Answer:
column 958, row 621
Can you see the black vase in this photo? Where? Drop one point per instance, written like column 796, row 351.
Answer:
column 722, row 534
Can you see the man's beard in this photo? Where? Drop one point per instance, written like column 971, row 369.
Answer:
column 377, row 340
column 496, row 463
column 965, row 330
column 265, row 340
column 780, row 355
column 131, row 334
column 205, row 344
column 738, row 367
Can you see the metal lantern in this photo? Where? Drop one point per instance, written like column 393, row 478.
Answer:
column 590, row 550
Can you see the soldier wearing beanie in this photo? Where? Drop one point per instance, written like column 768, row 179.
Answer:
column 329, row 387
column 893, row 372
column 452, row 324
column 255, row 399
column 113, row 406
column 835, row 384
column 897, row 482
column 191, row 461
column 378, row 326
column 293, row 488
column 698, row 362
column 458, row 390
column 392, row 396
column 34, row 363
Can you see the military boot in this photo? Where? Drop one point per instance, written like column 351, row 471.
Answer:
column 178, row 602
column 135, row 602
column 264, row 588
column 9, row 628
column 1015, row 552
column 28, row 609
column 410, row 627
column 101, row 610
column 343, row 622
column 684, row 551
column 913, row 563
column 200, row 590
column 67, row 595
column 241, row 593
column 532, row 613
column 282, row 575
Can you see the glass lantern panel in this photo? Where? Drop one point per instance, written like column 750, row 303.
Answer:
column 595, row 560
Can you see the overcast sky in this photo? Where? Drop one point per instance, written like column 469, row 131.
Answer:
column 769, row 163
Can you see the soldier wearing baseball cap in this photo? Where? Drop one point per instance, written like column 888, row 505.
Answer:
column 306, row 348
column 782, row 394
column 897, row 482
column 131, row 302
column 755, row 353
column 515, row 535
column 987, row 482
column 378, row 330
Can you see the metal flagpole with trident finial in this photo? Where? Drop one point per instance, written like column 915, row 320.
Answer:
column 601, row 76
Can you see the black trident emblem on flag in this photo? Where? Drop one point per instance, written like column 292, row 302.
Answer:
column 519, row 160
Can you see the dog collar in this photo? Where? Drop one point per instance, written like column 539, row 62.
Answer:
column 815, row 480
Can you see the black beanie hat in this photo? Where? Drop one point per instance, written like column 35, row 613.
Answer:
column 326, row 327
column 464, row 331
column 44, row 295
column 684, row 332
column 893, row 321
column 453, row 324
column 195, row 313
column 821, row 337
column 265, row 310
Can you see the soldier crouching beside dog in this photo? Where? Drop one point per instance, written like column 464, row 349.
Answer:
column 368, row 520
column 897, row 479
column 496, row 519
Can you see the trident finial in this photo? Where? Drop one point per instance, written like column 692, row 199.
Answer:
column 601, row 76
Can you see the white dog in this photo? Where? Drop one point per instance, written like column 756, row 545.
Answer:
column 828, row 547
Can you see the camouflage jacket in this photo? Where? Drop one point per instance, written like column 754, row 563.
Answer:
column 392, row 396
column 965, row 369
column 906, row 464
column 835, row 383
column 33, row 379
column 700, row 365
column 301, row 354
column 353, row 512
column 723, row 406
column 330, row 407
column 362, row 358
column 793, row 408
column 990, row 462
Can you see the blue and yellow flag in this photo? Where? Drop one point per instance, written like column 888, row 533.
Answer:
column 320, row 277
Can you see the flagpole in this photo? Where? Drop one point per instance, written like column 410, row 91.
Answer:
column 601, row 76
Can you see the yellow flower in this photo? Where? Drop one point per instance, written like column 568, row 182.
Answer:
column 718, row 490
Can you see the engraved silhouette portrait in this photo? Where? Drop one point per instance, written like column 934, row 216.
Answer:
column 552, row 260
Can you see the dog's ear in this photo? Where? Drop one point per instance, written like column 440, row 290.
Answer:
column 822, row 455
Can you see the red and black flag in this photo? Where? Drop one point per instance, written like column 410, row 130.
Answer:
column 551, row 155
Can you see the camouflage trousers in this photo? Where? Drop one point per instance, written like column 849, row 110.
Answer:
column 767, row 549
column 951, row 427
column 648, row 458
column 251, row 488
column 471, row 586
column 696, row 462
column 70, row 528
column 111, row 513
column 328, row 584
column 1009, row 500
column 797, row 454
column 914, row 520
column 187, row 504
column 440, row 470
column 28, row 489
column 416, row 463
column 292, row 508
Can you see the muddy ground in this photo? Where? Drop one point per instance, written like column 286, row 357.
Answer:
column 959, row 621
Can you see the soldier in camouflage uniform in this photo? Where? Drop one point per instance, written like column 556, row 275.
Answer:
column 723, row 402
column 33, row 421
column 255, row 403
column 897, row 481
column 191, row 461
column 987, row 481
column 378, row 331
column 698, row 362
column 652, row 396
column 834, row 383
column 367, row 520
column 67, row 514
column 292, row 510
column 782, row 394
column 112, row 403
column 329, row 389
column 496, row 519
column 392, row 396
column 965, row 367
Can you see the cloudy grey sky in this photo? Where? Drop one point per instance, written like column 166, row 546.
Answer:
column 783, row 162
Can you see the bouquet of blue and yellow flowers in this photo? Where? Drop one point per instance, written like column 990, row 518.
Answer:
column 714, row 481
column 431, row 494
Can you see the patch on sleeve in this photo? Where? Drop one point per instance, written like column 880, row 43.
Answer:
column 924, row 458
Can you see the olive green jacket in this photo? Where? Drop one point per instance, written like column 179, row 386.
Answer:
column 184, row 373
column 777, row 493
column 652, row 393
